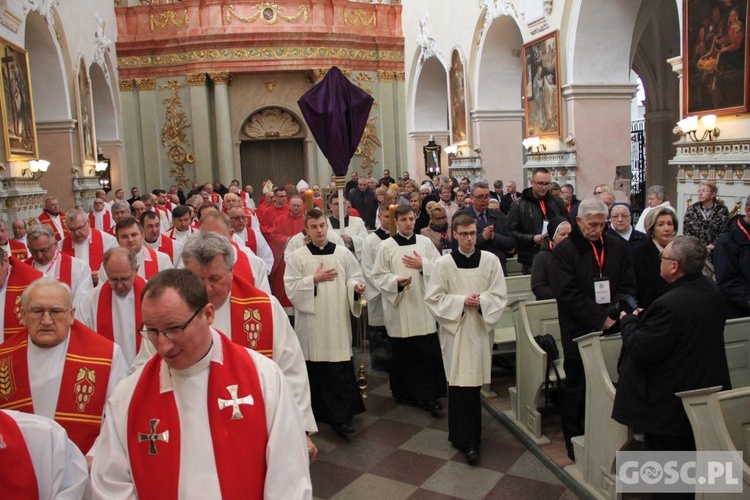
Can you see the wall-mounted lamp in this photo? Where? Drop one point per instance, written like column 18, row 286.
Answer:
column 533, row 145
column 36, row 167
column 688, row 126
column 431, row 158
column 98, row 168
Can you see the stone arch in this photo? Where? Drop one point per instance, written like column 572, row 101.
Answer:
column 431, row 97
column 47, row 67
column 499, row 69
column 105, row 120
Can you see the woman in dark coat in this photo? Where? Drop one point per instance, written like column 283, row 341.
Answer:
column 661, row 227
column 558, row 230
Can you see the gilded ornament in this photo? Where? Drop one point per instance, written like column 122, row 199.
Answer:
column 704, row 173
column 720, row 173
column 196, row 79
column 366, row 147
column 220, row 78
column 127, row 85
column 269, row 123
column 178, row 20
column 173, row 135
column 268, row 13
column 145, row 83
column 689, row 174
column 359, row 16
column 362, row 79
column 270, row 86
column 738, row 174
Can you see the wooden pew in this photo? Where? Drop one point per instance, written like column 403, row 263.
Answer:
column 532, row 318
column 737, row 345
column 519, row 288
column 596, row 450
column 720, row 423
column 513, row 266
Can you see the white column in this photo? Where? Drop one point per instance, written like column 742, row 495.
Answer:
column 226, row 170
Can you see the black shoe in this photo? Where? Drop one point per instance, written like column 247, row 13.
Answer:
column 433, row 408
column 571, row 453
column 472, row 455
column 342, row 430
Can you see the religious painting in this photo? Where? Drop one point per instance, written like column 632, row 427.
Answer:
column 16, row 104
column 457, row 100
column 715, row 57
column 86, row 131
column 541, row 87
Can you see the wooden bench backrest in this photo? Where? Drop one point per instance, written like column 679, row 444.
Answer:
column 735, row 406
column 737, row 345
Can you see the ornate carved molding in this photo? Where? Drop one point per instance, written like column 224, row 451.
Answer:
column 145, row 84
column 552, row 160
column 723, row 161
column 624, row 91
column 367, row 145
column 317, row 74
column 173, row 135
column 492, row 115
column 362, row 80
column 220, row 78
column 196, row 79
column 127, row 85
column 267, row 13
column 391, row 76
column 359, row 16
column 427, row 45
column 160, row 21
column 258, row 54
column 101, row 47
column 271, row 123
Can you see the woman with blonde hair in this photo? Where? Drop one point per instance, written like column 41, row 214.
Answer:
column 706, row 218
column 439, row 232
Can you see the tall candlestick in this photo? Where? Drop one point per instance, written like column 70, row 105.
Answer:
column 308, row 200
column 392, row 225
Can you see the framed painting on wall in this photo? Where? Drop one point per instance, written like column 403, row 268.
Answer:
column 541, row 87
column 85, row 116
column 457, row 100
column 715, row 57
column 16, row 104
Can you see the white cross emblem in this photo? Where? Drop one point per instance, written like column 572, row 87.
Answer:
column 235, row 402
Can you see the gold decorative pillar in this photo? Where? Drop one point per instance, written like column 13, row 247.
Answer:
column 224, row 143
column 149, row 109
column 200, row 112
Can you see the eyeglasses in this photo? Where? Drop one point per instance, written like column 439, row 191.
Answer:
column 171, row 333
column 41, row 250
column 664, row 257
column 118, row 281
column 54, row 312
column 79, row 228
column 467, row 234
column 482, row 196
column 238, row 217
column 542, row 183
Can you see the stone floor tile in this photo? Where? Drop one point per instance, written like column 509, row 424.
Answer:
column 528, row 466
column 370, row 486
column 462, row 480
column 407, row 467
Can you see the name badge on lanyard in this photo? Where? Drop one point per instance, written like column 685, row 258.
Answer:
column 601, row 291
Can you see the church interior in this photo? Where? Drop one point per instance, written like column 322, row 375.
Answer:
column 115, row 94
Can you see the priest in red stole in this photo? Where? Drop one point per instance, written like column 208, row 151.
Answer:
column 53, row 218
column 244, row 437
column 154, row 239
column 58, row 367
column 12, row 247
column 85, row 242
column 129, row 234
column 113, row 309
column 100, row 217
column 15, row 276
column 37, row 460
column 250, row 237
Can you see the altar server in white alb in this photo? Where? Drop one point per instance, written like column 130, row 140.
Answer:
column 205, row 418
column 402, row 268
column 38, row 461
column 113, row 309
column 467, row 295
column 324, row 282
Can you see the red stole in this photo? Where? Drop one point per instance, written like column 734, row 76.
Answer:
column 21, row 276
column 45, row 219
column 167, row 247
column 106, row 221
column 239, row 433
column 66, row 267
column 242, row 264
column 83, row 389
column 251, row 313
column 150, row 267
column 171, row 235
column 18, row 249
column 17, row 476
column 251, row 241
column 104, row 311
column 96, row 248
column 215, row 198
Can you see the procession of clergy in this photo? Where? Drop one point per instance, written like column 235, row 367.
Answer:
column 227, row 406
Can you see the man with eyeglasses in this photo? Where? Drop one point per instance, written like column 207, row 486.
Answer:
column 130, row 235
column 155, row 240
column 58, row 367
column 232, row 200
column 86, row 243
column 46, row 258
column 100, row 217
column 529, row 215
column 467, row 295
column 325, row 282
column 114, row 309
column 493, row 234
column 250, row 237
column 204, row 418
column 592, row 271
column 403, row 265
column 674, row 345
column 15, row 276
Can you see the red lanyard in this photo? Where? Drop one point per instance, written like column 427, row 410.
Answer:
column 544, row 208
column 739, row 224
column 599, row 259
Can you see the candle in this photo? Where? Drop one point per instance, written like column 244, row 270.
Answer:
column 308, row 200
column 392, row 212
